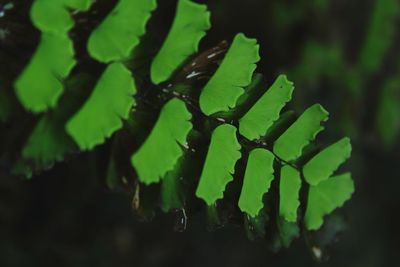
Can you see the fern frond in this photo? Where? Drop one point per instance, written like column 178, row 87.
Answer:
column 234, row 96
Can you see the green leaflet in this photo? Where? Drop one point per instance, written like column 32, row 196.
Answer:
column 326, row 197
column 381, row 33
column 223, row 90
column 191, row 22
column 102, row 114
column 116, row 37
column 257, row 180
column 289, row 190
column 323, row 165
column 162, row 149
column 290, row 144
column 39, row 86
column 258, row 120
column 223, row 152
column 52, row 16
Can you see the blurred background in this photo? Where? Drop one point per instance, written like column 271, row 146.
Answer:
column 342, row 54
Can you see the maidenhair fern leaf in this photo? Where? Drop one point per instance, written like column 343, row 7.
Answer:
column 220, row 162
column 191, row 22
column 39, row 86
column 162, row 149
column 322, row 165
column 52, row 16
column 290, row 144
column 233, row 92
column 257, row 180
column 102, row 114
column 258, row 120
column 225, row 87
column 326, row 197
column 289, row 190
column 117, row 36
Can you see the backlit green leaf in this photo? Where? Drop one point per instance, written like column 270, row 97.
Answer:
column 162, row 149
column 257, row 180
column 289, row 190
column 102, row 114
column 52, row 16
column 257, row 121
column 223, row 152
column 324, row 164
column 191, row 22
column 40, row 85
column 290, row 144
column 225, row 87
column 117, row 35
column 326, row 197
